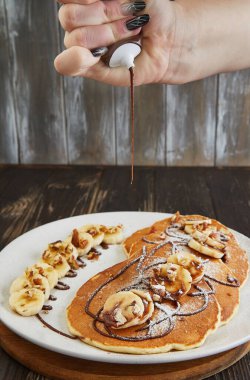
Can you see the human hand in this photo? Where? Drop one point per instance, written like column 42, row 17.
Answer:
column 184, row 40
column 93, row 24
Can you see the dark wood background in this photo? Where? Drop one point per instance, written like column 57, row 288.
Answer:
column 45, row 118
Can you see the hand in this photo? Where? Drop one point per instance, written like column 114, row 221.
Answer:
column 90, row 25
column 184, row 40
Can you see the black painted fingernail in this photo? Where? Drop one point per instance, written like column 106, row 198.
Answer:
column 132, row 8
column 98, row 52
column 137, row 22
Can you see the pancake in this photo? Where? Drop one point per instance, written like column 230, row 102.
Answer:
column 179, row 325
column 218, row 273
column 233, row 255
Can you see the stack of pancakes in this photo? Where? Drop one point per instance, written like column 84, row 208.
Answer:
column 179, row 321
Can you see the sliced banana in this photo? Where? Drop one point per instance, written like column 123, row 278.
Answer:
column 190, row 262
column 20, row 283
column 176, row 279
column 57, row 261
column 205, row 250
column 196, row 222
column 31, row 280
column 113, row 235
column 95, row 230
column 44, row 270
column 82, row 241
column 204, row 237
column 27, row 302
column 67, row 250
column 127, row 308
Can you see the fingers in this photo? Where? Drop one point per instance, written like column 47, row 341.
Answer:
column 73, row 16
column 74, row 61
column 78, row 61
column 106, row 34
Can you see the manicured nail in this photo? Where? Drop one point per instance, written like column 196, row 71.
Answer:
column 98, row 52
column 132, row 8
column 137, row 22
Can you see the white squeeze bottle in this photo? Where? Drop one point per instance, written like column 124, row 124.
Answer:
column 123, row 53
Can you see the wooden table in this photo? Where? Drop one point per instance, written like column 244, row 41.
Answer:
column 32, row 196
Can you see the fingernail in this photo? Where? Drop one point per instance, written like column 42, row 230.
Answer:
column 137, row 22
column 132, row 8
column 98, row 52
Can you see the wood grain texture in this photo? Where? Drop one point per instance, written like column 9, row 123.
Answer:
column 8, row 132
column 62, row 368
column 191, row 123
column 89, row 110
column 233, row 130
column 45, row 118
column 33, row 42
column 150, row 131
column 33, row 196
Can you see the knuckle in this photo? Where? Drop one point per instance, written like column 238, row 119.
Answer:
column 67, row 16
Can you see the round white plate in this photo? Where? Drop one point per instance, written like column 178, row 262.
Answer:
column 27, row 249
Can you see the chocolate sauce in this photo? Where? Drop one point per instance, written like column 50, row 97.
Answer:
column 62, row 286
column 104, row 245
column 81, row 263
column 47, row 307
column 132, row 113
column 71, row 273
column 93, row 254
column 52, row 298
column 233, row 284
column 53, row 328
column 169, row 316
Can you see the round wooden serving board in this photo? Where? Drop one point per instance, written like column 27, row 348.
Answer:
column 57, row 366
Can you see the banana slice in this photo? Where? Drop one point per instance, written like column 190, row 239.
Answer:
column 196, row 222
column 44, row 270
column 57, row 261
column 204, row 237
column 127, row 308
column 31, row 280
column 20, row 283
column 205, row 250
column 67, row 250
column 190, row 262
column 176, row 280
column 82, row 241
column 95, row 230
column 113, row 235
column 27, row 302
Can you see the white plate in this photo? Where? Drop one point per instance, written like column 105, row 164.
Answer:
column 27, row 249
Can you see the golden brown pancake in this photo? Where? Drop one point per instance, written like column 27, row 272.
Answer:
column 180, row 331
column 234, row 256
column 216, row 272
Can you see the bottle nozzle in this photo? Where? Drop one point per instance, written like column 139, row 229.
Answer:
column 123, row 54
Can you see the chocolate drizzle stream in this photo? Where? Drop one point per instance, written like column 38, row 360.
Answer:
column 132, row 115
column 53, row 328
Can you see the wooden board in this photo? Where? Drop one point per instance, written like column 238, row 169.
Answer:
column 59, row 366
